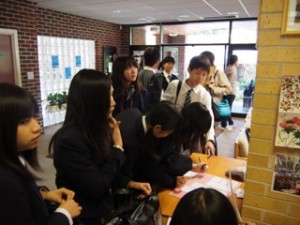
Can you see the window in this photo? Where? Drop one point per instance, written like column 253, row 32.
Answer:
column 145, row 35
column 196, row 33
column 244, row 32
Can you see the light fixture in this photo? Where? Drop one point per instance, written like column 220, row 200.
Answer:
column 184, row 16
column 173, row 34
column 154, row 29
column 233, row 13
column 117, row 11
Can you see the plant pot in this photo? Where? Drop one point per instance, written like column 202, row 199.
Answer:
column 64, row 106
column 52, row 108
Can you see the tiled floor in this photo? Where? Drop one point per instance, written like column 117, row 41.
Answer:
column 225, row 142
column 227, row 139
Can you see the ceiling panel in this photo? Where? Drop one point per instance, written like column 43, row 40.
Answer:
column 154, row 11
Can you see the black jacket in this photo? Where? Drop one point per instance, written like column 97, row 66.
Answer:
column 78, row 171
column 21, row 203
column 158, row 83
column 129, row 101
column 141, row 164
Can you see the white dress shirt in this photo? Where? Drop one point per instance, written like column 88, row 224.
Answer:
column 199, row 94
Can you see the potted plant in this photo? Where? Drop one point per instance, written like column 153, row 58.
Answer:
column 63, row 98
column 52, row 102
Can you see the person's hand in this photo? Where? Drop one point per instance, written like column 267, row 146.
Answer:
column 199, row 167
column 145, row 187
column 246, row 223
column 58, row 195
column 72, row 207
column 210, row 146
column 180, row 181
column 116, row 134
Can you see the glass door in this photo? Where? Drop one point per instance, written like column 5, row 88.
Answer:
column 184, row 53
column 247, row 59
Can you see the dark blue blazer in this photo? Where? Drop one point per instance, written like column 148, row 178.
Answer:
column 158, row 83
column 90, row 179
column 138, row 101
column 21, row 202
column 141, row 163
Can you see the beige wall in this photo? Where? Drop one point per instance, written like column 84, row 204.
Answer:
column 277, row 56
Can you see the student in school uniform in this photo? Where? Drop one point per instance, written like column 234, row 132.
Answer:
column 128, row 90
column 192, row 90
column 151, row 61
column 160, row 81
column 88, row 148
column 151, row 148
column 205, row 206
column 21, row 201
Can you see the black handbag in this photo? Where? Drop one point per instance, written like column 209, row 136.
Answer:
column 133, row 210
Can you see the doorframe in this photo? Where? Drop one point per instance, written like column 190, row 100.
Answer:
column 231, row 48
column 15, row 53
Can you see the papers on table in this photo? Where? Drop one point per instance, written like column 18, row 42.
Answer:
column 205, row 180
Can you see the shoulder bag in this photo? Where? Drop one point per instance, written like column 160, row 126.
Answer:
column 133, row 210
column 220, row 109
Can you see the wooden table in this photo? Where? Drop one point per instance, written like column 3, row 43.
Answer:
column 217, row 165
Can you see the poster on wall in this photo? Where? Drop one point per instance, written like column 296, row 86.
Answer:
column 286, row 177
column 55, row 62
column 288, row 122
column 68, row 73
column 78, row 60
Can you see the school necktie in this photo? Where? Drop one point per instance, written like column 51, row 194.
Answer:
column 187, row 99
column 169, row 78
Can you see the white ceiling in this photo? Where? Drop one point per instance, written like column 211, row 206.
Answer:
column 153, row 11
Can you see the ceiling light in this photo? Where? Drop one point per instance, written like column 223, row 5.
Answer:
column 172, row 34
column 233, row 13
column 117, row 11
column 154, row 29
column 184, row 16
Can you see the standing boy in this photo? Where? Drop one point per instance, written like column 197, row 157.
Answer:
column 151, row 61
column 160, row 81
column 192, row 91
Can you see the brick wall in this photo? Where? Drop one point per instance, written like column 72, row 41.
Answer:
column 125, row 40
column 277, row 56
column 30, row 21
column 138, row 35
column 20, row 16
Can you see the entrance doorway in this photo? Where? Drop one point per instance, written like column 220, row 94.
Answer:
column 247, row 60
column 9, row 57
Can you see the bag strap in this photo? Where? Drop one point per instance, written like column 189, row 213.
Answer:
column 209, row 89
column 215, row 75
column 178, row 90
